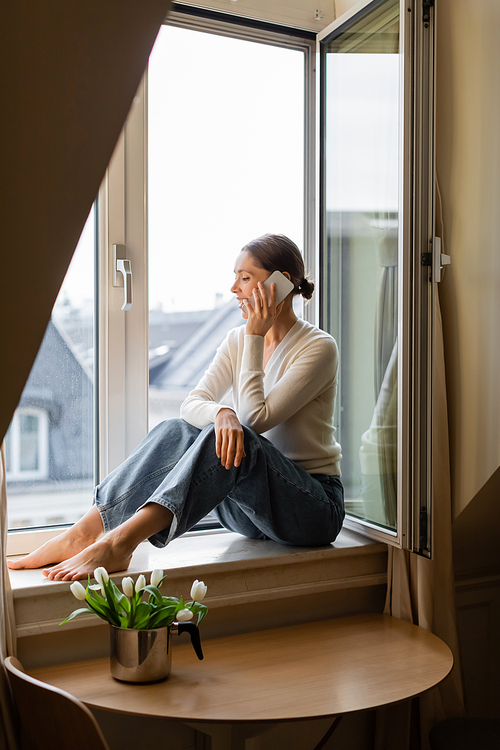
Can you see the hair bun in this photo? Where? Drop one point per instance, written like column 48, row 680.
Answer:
column 306, row 288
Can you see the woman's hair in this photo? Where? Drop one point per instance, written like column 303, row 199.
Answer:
column 275, row 252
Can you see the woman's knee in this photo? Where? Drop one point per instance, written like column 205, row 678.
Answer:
column 175, row 426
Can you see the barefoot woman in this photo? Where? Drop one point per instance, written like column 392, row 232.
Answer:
column 269, row 468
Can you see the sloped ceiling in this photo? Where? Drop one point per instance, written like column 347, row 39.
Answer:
column 69, row 72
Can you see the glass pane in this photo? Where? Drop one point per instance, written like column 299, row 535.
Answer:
column 360, row 284
column 50, row 444
column 225, row 165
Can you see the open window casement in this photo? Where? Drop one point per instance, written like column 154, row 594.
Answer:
column 376, row 237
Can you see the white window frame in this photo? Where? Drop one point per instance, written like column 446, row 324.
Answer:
column 415, row 281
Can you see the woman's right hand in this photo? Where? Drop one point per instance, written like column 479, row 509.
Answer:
column 229, row 438
column 264, row 311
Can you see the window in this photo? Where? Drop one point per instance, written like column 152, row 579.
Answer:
column 26, row 445
column 225, row 165
column 219, row 146
column 376, row 224
column 50, row 442
column 199, row 171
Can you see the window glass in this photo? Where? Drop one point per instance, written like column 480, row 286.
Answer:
column 50, row 442
column 360, row 274
column 225, row 165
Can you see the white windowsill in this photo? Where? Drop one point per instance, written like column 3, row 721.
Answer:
column 244, row 577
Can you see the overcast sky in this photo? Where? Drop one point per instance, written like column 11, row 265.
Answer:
column 226, row 156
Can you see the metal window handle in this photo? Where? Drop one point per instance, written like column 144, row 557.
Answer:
column 438, row 260
column 122, row 274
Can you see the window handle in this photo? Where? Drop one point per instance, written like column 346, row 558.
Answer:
column 122, row 274
column 438, row 260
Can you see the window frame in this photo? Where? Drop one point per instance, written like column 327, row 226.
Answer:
column 123, row 384
column 415, row 282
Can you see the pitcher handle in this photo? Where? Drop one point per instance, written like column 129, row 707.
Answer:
column 192, row 629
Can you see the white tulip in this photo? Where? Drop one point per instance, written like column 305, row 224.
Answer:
column 156, row 577
column 101, row 576
column 78, row 591
column 128, row 586
column 198, row 591
column 140, row 583
column 183, row 615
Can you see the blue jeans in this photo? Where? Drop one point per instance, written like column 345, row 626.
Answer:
column 268, row 496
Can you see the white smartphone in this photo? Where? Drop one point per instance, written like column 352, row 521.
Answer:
column 283, row 287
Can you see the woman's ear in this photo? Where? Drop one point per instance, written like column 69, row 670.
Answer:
column 285, row 273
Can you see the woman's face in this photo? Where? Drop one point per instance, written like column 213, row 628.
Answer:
column 247, row 276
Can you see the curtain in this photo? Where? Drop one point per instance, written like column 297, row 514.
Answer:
column 422, row 591
column 7, row 623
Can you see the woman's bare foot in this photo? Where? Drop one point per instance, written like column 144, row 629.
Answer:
column 106, row 552
column 65, row 545
column 114, row 550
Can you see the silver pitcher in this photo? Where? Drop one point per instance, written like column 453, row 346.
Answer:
column 146, row 655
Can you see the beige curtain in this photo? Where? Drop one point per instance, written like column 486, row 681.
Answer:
column 7, row 624
column 69, row 71
column 422, row 591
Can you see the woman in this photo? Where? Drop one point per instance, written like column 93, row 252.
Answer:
column 268, row 468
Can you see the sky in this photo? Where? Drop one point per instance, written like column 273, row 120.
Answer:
column 225, row 163
column 226, row 157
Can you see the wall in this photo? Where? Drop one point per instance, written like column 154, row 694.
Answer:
column 468, row 164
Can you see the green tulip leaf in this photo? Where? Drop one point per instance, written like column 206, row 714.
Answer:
column 76, row 613
column 141, row 615
column 155, row 597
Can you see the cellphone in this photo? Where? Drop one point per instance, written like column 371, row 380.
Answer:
column 283, row 286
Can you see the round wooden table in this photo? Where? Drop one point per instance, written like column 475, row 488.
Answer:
column 247, row 683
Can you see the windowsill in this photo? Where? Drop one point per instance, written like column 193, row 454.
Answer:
column 244, row 577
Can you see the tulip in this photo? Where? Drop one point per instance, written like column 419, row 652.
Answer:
column 140, row 583
column 128, row 586
column 198, row 591
column 156, row 577
column 78, row 591
column 183, row 615
column 101, row 576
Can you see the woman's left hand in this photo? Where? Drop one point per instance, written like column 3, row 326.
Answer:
column 263, row 313
column 229, row 438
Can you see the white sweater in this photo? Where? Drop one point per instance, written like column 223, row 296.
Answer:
column 291, row 403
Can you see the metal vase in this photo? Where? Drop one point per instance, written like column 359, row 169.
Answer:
column 140, row 655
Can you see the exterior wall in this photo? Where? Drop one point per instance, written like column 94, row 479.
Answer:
column 59, row 385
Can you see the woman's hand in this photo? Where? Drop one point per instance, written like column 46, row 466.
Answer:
column 229, row 444
column 263, row 313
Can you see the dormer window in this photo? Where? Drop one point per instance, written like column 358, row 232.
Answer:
column 27, row 454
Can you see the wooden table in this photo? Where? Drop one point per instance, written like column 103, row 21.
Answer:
column 249, row 682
